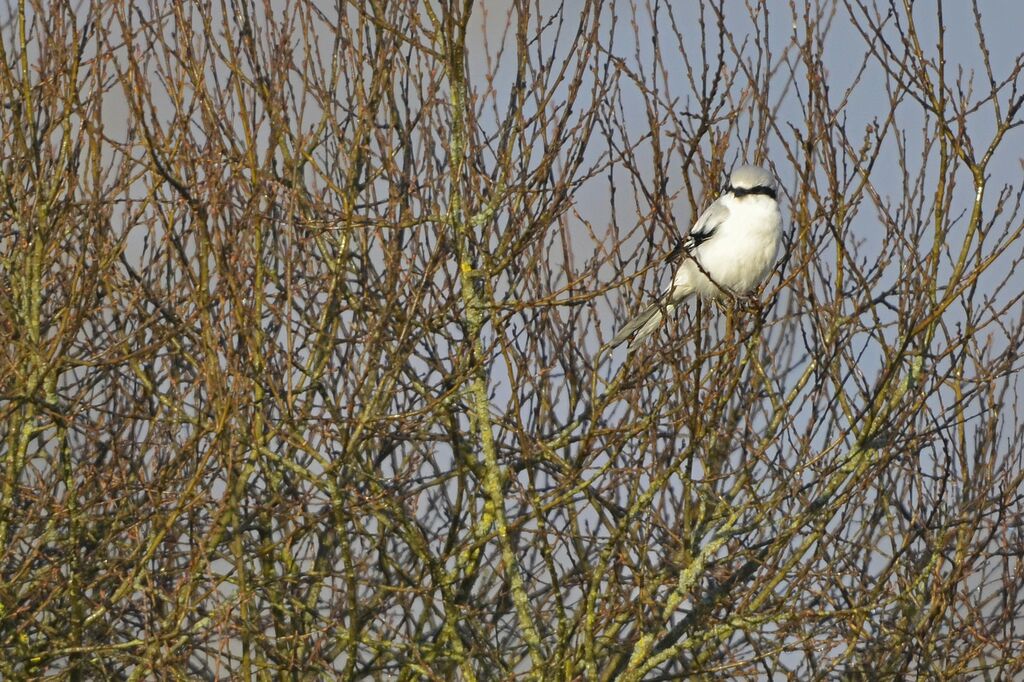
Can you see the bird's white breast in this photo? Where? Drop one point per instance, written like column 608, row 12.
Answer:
column 741, row 252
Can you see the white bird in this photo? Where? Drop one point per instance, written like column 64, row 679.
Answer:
column 735, row 242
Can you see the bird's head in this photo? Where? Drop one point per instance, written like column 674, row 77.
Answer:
column 752, row 180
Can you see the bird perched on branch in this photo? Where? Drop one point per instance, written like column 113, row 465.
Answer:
column 729, row 250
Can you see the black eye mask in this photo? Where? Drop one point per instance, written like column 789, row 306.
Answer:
column 747, row 191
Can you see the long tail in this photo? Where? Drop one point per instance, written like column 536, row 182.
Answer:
column 642, row 325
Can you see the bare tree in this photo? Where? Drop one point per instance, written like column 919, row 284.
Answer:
column 301, row 309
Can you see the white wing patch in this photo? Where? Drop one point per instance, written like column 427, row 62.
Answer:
column 706, row 224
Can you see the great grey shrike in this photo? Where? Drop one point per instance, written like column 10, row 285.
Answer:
column 735, row 242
